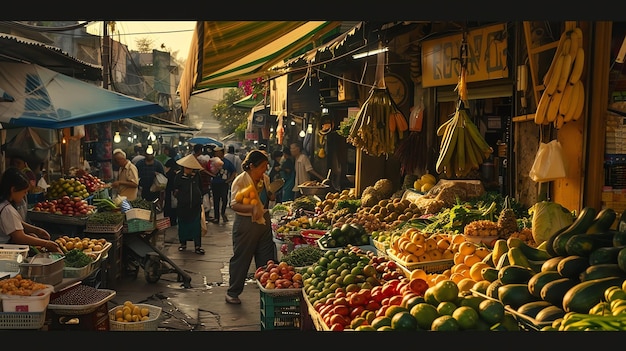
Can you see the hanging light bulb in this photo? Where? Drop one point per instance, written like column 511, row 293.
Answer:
column 151, row 136
column 293, row 123
column 302, row 133
column 309, row 128
column 117, row 138
column 149, row 149
column 130, row 139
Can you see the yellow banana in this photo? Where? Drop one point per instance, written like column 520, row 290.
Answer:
column 558, row 122
column 566, row 100
column 577, row 67
column 470, row 154
column 448, row 144
column 575, row 43
column 557, row 54
column 553, row 108
column 581, row 101
column 442, row 128
column 460, row 147
column 568, row 115
column 554, row 77
column 477, row 138
column 566, row 68
column 542, row 108
column 579, row 36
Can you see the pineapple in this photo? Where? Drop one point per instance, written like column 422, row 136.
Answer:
column 507, row 222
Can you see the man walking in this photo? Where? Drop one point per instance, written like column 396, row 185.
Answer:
column 220, row 184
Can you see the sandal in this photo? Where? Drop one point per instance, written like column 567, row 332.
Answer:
column 199, row 250
column 182, row 248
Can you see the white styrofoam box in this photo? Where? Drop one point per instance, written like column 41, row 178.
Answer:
column 138, row 213
column 33, row 303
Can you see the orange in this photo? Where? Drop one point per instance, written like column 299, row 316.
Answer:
column 418, row 273
column 457, row 268
column 443, row 244
column 467, row 248
column 447, row 254
column 239, row 197
column 482, row 252
column 457, row 239
column 466, row 284
column 457, row 277
column 245, row 201
column 434, row 254
column 254, row 201
column 476, row 269
column 458, row 258
column 466, row 317
column 425, row 257
column 472, row 259
column 430, row 244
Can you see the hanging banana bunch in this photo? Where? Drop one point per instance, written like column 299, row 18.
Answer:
column 379, row 123
column 463, row 149
column 563, row 98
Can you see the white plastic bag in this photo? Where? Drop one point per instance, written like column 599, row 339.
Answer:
column 549, row 164
column 159, row 183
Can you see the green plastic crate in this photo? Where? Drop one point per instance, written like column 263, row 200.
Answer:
column 280, row 311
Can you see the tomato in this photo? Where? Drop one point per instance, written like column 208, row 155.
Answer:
column 395, row 300
column 418, row 286
column 338, row 319
column 389, row 290
column 372, row 305
column 356, row 311
column 377, row 295
column 357, row 299
column 342, row 310
column 367, row 293
column 382, row 310
column 336, row 327
column 341, row 301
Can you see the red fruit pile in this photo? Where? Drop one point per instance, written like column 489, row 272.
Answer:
column 67, row 206
column 92, row 183
column 278, row 276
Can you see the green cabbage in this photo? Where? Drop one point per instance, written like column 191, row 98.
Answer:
column 547, row 218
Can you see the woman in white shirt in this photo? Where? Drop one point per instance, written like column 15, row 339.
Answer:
column 13, row 188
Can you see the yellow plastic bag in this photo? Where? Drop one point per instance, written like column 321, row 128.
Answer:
column 549, row 164
column 204, row 229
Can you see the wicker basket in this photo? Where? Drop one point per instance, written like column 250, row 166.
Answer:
column 436, row 266
column 81, row 309
column 12, row 251
column 150, row 325
column 103, row 228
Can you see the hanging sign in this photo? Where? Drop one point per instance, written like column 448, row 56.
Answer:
column 487, row 57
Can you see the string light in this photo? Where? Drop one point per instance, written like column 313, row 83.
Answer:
column 117, row 138
column 151, row 136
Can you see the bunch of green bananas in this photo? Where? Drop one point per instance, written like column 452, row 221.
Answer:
column 463, row 148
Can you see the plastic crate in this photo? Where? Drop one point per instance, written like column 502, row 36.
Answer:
column 103, row 228
column 281, row 311
column 138, row 225
column 12, row 252
column 150, row 325
column 33, row 303
column 21, row 320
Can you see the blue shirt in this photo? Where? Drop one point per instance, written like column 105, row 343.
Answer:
column 227, row 170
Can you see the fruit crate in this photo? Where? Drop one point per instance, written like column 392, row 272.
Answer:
column 137, row 225
column 436, row 266
column 281, row 311
column 13, row 252
column 22, row 320
column 316, row 318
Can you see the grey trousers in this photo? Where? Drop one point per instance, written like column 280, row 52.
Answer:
column 250, row 240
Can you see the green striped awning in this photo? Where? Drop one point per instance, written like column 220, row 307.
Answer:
column 223, row 53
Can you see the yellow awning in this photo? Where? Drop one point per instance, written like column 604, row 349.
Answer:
column 223, row 53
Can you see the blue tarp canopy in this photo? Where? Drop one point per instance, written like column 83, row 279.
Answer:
column 47, row 99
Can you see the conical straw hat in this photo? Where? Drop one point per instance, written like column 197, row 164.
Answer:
column 189, row 161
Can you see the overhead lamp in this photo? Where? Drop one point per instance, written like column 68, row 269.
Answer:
column 130, row 139
column 117, row 138
column 309, row 128
column 369, row 53
column 302, row 134
column 149, row 149
column 293, row 123
column 151, row 136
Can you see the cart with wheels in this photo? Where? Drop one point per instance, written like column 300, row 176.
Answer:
column 140, row 251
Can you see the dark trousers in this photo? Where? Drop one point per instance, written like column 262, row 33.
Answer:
column 220, row 199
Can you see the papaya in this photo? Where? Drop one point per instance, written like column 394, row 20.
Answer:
column 530, row 252
column 602, row 271
column 515, row 295
column 581, row 297
column 572, row 266
column 553, row 291
column 500, row 248
column 580, row 225
column 537, row 281
column 530, row 309
column 604, row 255
column 551, row 264
column 514, row 274
column 550, row 314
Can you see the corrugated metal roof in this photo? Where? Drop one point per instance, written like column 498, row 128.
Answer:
column 19, row 49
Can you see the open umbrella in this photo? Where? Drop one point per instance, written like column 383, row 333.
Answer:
column 205, row 141
column 47, row 99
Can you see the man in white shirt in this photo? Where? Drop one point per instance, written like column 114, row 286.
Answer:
column 304, row 168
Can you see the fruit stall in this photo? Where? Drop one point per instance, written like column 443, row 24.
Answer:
column 453, row 257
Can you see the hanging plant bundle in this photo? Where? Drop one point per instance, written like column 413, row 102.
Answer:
column 379, row 123
column 412, row 151
column 463, row 149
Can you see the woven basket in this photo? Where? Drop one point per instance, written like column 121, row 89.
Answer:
column 150, row 325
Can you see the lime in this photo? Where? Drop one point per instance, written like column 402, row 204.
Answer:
column 492, row 311
column 380, row 321
column 403, row 321
column 446, row 290
column 446, row 307
column 471, row 301
column 425, row 314
column 429, row 297
column 445, row 323
column 466, row 317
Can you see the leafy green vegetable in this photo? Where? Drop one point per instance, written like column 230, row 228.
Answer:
column 76, row 258
column 548, row 217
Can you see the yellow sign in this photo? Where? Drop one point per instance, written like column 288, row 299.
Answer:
column 486, row 57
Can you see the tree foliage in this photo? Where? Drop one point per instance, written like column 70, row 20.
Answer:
column 231, row 119
column 144, row 44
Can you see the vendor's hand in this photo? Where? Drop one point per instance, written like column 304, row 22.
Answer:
column 54, row 247
column 42, row 233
